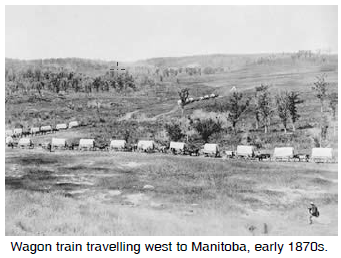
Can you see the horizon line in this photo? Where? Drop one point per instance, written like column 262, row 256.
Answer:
column 148, row 58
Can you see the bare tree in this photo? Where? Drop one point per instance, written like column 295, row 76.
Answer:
column 333, row 101
column 264, row 105
column 293, row 101
column 183, row 94
column 320, row 89
column 282, row 105
column 236, row 107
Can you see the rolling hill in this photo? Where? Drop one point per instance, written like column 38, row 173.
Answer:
column 145, row 110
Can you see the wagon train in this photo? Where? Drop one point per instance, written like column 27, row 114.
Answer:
column 244, row 152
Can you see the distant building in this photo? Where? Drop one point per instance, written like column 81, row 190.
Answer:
column 233, row 89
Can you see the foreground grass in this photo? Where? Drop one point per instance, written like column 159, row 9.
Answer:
column 73, row 193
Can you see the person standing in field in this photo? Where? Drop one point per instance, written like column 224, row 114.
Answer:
column 49, row 147
column 313, row 212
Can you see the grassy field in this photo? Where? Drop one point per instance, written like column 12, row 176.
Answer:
column 101, row 193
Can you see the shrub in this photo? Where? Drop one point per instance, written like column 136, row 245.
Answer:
column 207, row 127
column 174, row 132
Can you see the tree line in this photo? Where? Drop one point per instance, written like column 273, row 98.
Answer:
column 28, row 80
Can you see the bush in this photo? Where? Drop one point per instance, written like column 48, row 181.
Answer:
column 207, row 127
column 174, row 132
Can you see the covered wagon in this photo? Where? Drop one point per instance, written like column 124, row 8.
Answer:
column 211, row 149
column 118, row 145
column 229, row 154
column 146, row 146
column 58, row 143
column 86, row 144
column 9, row 141
column 283, row 153
column 322, row 154
column 17, row 132
column 9, row 133
column 25, row 143
column 245, row 151
column 34, row 130
column 61, row 126
column 46, row 129
column 177, row 147
column 73, row 124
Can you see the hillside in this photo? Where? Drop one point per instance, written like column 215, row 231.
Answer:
column 145, row 108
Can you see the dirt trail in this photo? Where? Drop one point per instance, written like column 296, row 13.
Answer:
column 128, row 115
column 166, row 113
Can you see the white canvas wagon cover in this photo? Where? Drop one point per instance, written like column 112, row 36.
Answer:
column 46, row 128
column 229, row 153
column 35, row 129
column 322, row 153
column 61, row 126
column 246, row 150
column 17, row 131
column 9, row 140
column 144, row 145
column 58, row 142
column 86, row 143
column 24, row 142
column 284, row 152
column 118, row 144
column 211, row 148
column 9, row 132
column 177, row 145
column 73, row 124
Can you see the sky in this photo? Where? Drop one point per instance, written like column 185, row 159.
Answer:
column 130, row 33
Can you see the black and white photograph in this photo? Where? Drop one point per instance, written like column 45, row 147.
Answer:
column 172, row 120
